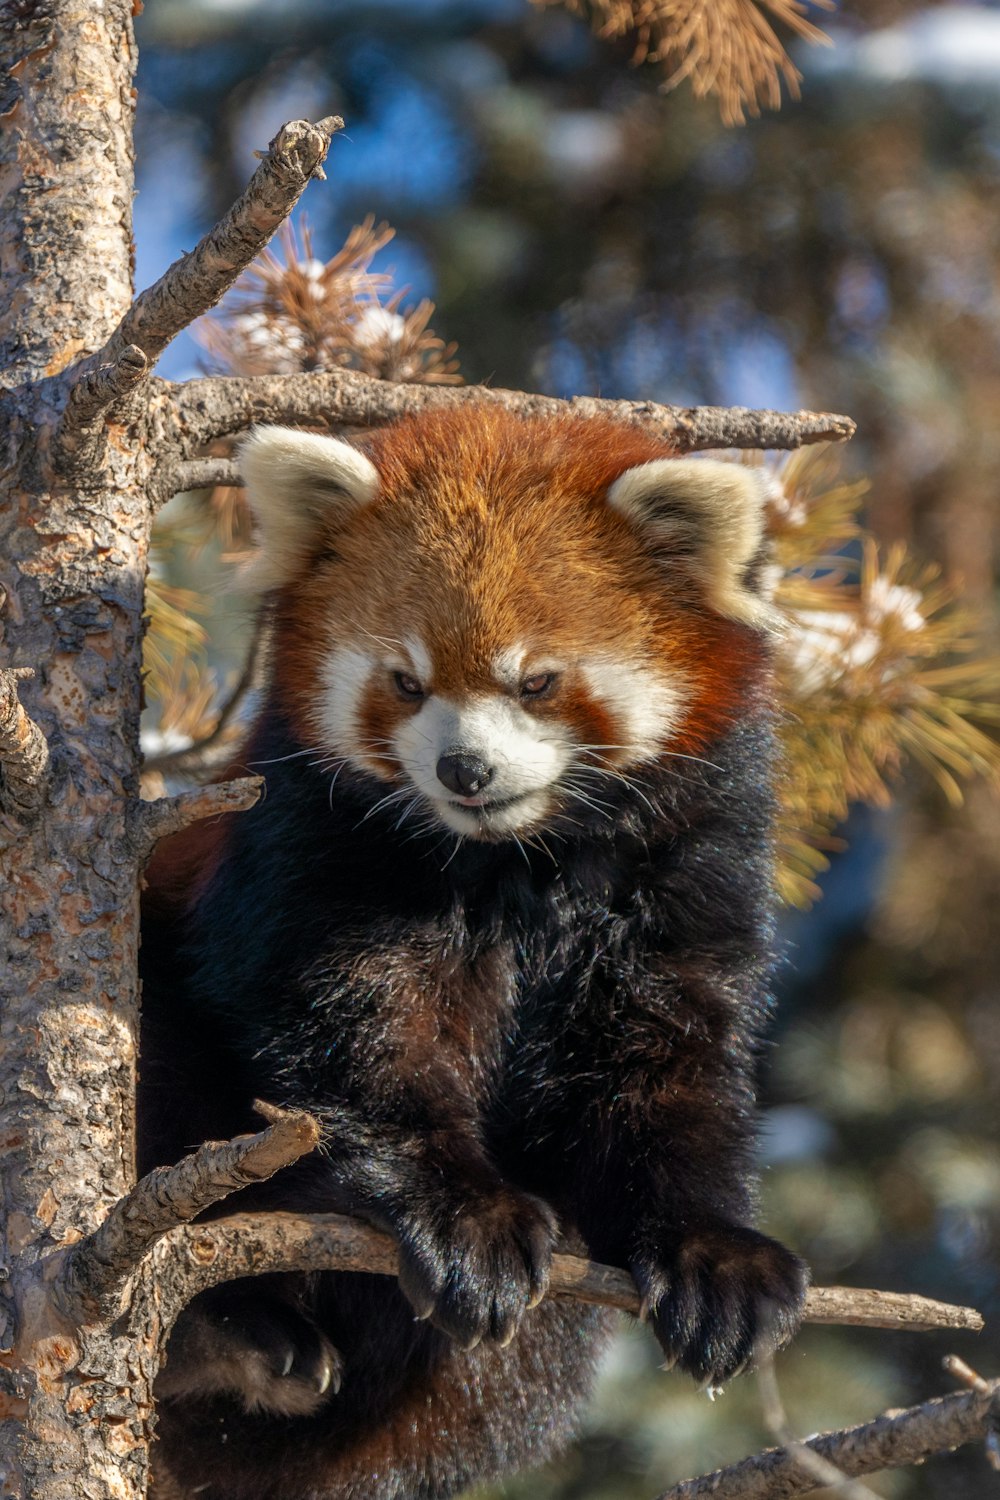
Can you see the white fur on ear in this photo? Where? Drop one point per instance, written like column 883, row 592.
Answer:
column 711, row 515
column 294, row 481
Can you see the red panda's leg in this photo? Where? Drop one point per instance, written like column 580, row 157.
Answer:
column 474, row 1250
column 661, row 1166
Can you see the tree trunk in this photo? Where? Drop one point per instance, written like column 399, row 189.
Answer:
column 74, row 530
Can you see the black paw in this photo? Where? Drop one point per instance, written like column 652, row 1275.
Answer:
column 721, row 1298
column 475, row 1272
column 261, row 1350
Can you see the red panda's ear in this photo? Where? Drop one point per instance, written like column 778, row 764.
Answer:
column 708, row 515
column 296, row 483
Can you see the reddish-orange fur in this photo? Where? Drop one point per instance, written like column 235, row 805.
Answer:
column 492, row 530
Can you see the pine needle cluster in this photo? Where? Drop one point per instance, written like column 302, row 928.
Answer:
column 877, row 666
column 293, row 312
column 727, row 48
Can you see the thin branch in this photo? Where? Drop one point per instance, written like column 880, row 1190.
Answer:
column 24, row 752
column 99, row 1269
column 215, row 751
column 218, row 406
column 902, row 1310
column 809, row 1461
column 152, row 821
column 968, row 1377
column 196, row 281
column 205, row 474
column 251, row 1244
column 889, row 1442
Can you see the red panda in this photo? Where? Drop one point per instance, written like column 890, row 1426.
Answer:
column 502, row 922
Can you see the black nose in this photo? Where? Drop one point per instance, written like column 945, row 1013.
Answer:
column 463, row 773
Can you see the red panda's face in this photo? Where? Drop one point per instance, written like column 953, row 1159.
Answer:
column 492, row 615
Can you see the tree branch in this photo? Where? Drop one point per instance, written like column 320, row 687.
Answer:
column 807, row 1459
column 205, row 474
column 205, row 1255
column 24, row 751
column 152, row 821
column 889, row 1442
column 218, row 406
column 100, row 1268
column 196, row 281
column 902, row 1310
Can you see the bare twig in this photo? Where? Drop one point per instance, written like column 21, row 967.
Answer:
column 964, row 1373
column 609, row 1287
column 100, row 1268
column 967, row 1376
column 810, row 1462
column 868, row 1309
column 196, row 282
column 204, row 474
column 152, row 821
column 215, row 751
column 889, row 1442
column 218, row 406
column 24, row 752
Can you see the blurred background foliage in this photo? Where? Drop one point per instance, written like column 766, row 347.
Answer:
column 579, row 230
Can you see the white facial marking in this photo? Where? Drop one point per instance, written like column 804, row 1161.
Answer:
column 525, row 755
column 420, row 658
column 506, row 666
column 345, row 675
column 647, row 706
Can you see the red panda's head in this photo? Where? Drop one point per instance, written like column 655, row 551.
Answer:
column 484, row 611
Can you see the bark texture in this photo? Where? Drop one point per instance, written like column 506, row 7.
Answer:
column 77, row 467
column 75, row 1402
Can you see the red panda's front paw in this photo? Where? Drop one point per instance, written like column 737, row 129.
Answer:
column 721, row 1298
column 475, row 1271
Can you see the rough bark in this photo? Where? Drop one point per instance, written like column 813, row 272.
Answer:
column 75, row 1402
column 24, row 752
column 76, row 470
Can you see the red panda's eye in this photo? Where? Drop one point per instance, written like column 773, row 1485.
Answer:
column 533, row 687
column 408, row 686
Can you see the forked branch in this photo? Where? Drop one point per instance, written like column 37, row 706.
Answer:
column 196, row 281
column 100, row 1268
column 24, row 752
